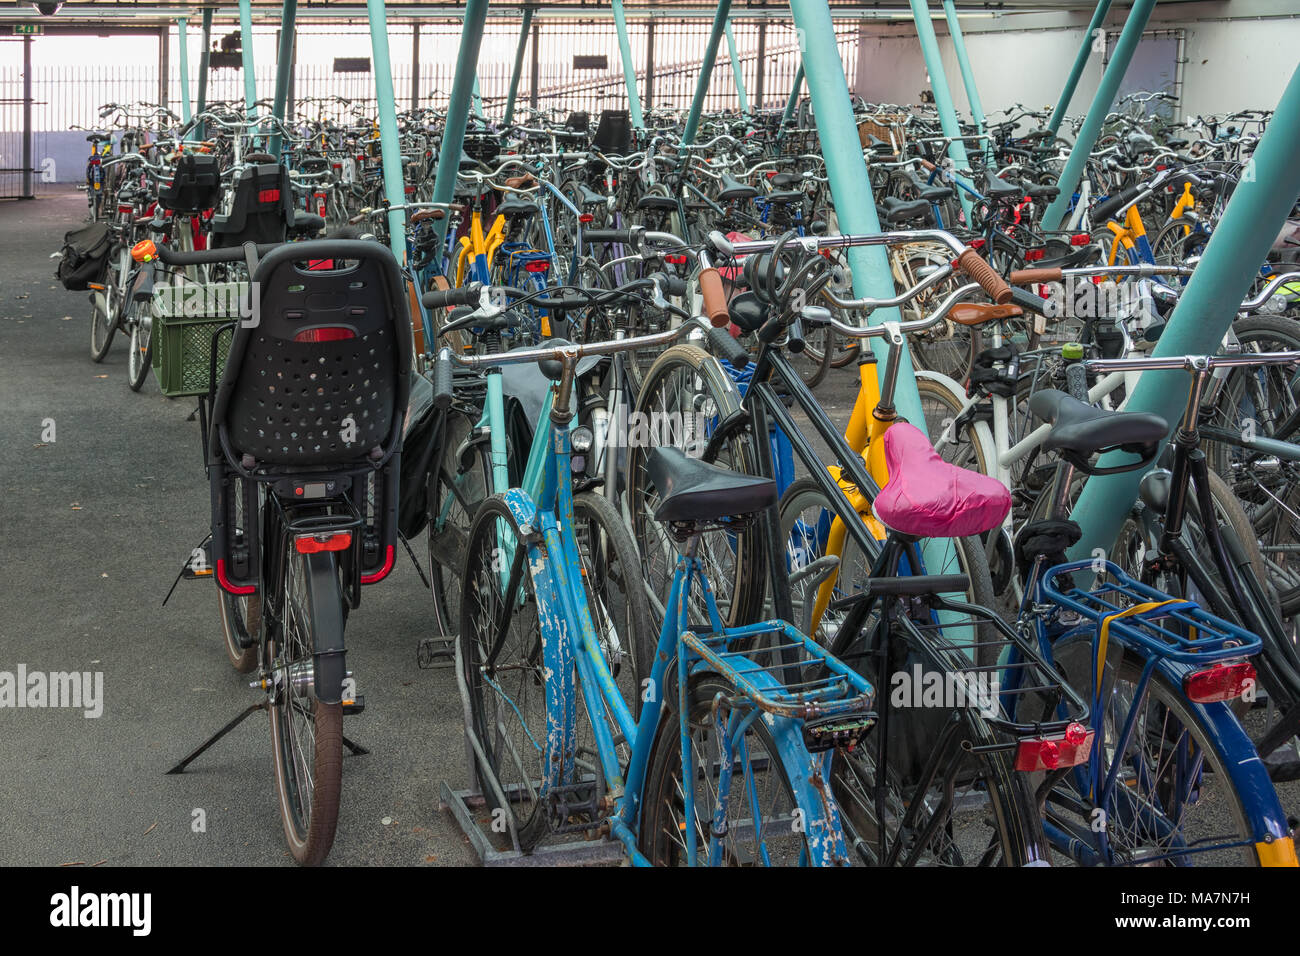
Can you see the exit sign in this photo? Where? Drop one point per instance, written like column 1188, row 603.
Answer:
column 29, row 29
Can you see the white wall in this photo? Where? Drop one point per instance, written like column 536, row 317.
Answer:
column 1240, row 55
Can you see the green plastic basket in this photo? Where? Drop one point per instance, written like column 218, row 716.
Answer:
column 183, row 327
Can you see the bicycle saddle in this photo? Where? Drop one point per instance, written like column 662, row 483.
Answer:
column 930, row 498
column 997, row 188
column 894, row 210
column 1080, row 430
column 927, row 192
column 514, row 207
column 662, row 203
column 1043, row 192
column 733, row 190
column 693, row 490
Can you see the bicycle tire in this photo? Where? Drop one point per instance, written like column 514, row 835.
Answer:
column 103, row 321
column 740, row 587
column 309, row 826
column 447, row 530
column 141, row 355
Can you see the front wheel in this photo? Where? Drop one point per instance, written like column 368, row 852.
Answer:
column 140, row 321
column 306, row 734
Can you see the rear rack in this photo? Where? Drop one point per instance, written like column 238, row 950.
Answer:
column 1179, row 631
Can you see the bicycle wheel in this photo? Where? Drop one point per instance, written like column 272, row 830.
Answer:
column 1176, row 789
column 759, row 807
column 500, row 650
column 457, row 486
column 140, row 321
column 685, row 396
column 815, row 360
column 306, row 734
column 105, row 307
column 956, row 445
column 943, row 800
column 241, row 615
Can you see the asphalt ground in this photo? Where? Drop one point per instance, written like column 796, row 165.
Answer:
column 102, row 498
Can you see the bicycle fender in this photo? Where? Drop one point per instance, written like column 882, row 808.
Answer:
column 326, row 604
column 982, row 431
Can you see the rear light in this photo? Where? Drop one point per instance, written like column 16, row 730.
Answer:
column 125, row 210
column 1033, row 255
column 315, row 543
column 1067, row 749
column 268, row 195
column 1224, row 682
column 144, row 251
column 586, row 218
column 1080, row 239
column 675, row 260
column 328, row 333
column 382, row 573
column 224, row 581
column 541, row 265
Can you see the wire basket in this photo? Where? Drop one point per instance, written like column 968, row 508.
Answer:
column 189, row 321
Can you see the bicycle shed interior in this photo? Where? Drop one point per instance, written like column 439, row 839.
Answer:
column 111, row 492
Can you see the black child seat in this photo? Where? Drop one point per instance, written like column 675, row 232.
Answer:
column 613, row 133
column 312, row 396
column 261, row 211
column 691, row 490
column 195, row 185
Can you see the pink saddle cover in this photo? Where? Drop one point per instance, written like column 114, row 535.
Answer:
column 927, row 497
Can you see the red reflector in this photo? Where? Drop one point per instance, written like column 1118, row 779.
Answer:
column 586, row 218
column 1033, row 255
column 328, row 333
column 224, row 581
column 1068, row 749
column 1225, row 682
column 124, row 209
column 269, row 195
column 541, row 265
column 977, row 243
column 318, row 264
column 675, row 260
column 410, row 190
column 1080, row 239
column 312, row 544
column 382, row 573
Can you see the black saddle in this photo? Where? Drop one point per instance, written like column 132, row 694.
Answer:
column 660, row 203
column 733, row 190
column 895, row 210
column 1080, row 430
column 515, row 208
column 693, row 490
column 997, row 188
column 1042, row 192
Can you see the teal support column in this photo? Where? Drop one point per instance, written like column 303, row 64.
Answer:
column 736, row 70
column 389, row 144
column 458, row 107
column 1209, row 302
column 706, row 71
column 793, row 100
column 283, row 66
column 967, row 74
column 246, row 48
column 1080, row 61
column 183, row 46
column 942, row 96
column 854, row 204
column 204, row 53
column 519, row 64
column 629, row 67
column 1083, row 143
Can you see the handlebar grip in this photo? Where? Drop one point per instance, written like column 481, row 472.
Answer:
column 715, row 298
column 442, row 298
column 1028, row 301
column 974, row 266
column 440, row 376
column 927, row 165
column 724, row 345
column 609, row 236
column 1026, row 276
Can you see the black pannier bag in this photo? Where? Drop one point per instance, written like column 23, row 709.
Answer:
column 195, row 186
column 85, row 256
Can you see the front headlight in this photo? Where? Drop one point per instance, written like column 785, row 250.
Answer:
column 581, row 439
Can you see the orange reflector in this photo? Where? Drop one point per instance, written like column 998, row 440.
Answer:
column 315, row 543
column 1224, row 682
column 144, row 251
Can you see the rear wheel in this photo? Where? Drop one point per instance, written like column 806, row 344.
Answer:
column 140, row 321
column 105, row 307
column 457, row 485
column 306, row 734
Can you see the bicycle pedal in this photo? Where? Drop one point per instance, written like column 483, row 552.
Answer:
column 433, row 652
column 826, row 733
column 356, row 705
column 575, row 800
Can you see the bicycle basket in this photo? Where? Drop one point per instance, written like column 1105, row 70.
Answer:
column 186, row 317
